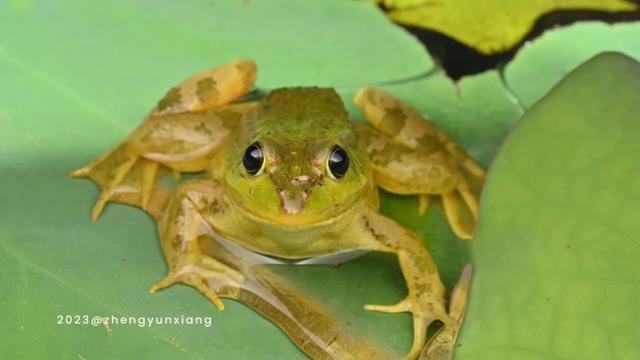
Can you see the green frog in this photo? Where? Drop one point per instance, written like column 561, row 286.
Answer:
column 289, row 177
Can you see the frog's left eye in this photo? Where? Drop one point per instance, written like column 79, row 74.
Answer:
column 253, row 159
column 338, row 162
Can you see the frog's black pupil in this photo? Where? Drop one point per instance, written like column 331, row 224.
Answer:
column 253, row 158
column 338, row 161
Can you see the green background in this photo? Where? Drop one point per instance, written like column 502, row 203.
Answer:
column 75, row 78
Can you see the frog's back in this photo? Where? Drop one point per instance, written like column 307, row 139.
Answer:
column 302, row 113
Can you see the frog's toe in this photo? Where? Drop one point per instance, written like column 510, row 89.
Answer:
column 80, row 173
column 164, row 283
column 205, row 274
column 454, row 211
column 196, row 280
column 201, row 284
column 148, row 178
column 98, row 207
column 424, row 204
column 402, row 306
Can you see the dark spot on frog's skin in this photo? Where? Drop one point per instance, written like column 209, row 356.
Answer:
column 204, row 200
column 181, row 213
column 366, row 223
column 428, row 143
column 217, row 206
column 170, row 100
column 205, row 89
column 230, row 119
column 202, row 127
column 176, row 242
column 420, row 289
column 428, row 288
column 393, row 121
column 245, row 70
column 380, row 237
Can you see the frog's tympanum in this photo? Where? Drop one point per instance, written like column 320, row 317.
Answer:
column 288, row 177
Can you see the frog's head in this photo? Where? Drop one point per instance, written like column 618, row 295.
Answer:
column 298, row 167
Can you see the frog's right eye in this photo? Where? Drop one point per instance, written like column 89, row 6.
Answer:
column 253, row 159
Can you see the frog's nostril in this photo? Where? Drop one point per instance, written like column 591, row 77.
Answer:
column 299, row 180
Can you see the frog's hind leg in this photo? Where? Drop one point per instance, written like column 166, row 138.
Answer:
column 208, row 89
column 181, row 134
column 442, row 159
column 406, row 126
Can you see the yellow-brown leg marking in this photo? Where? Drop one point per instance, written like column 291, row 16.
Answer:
column 211, row 88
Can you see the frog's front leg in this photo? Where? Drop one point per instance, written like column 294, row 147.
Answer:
column 425, row 298
column 182, row 132
column 180, row 230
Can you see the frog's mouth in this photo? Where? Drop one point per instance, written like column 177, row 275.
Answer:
column 295, row 221
column 292, row 215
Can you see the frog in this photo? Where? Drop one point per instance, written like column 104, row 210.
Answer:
column 289, row 176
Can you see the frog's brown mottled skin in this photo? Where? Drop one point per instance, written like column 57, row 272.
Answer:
column 292, row 209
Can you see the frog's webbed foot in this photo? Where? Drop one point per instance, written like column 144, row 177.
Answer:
column 203, row 273
column 425, row 309
column 425, row 299
column 120, row 171
column 183, row 228
column 441, row 345
column 426, row 161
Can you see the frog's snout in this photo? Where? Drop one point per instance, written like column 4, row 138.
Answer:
column 294, row 196
column 292, row 201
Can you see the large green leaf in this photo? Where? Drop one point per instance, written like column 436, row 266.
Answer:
column 77, row 77
column 557, row 244
column 546, row 60
column 489, row 26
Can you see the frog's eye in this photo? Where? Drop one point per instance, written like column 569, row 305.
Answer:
column 253, row 159
column 338, row 162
